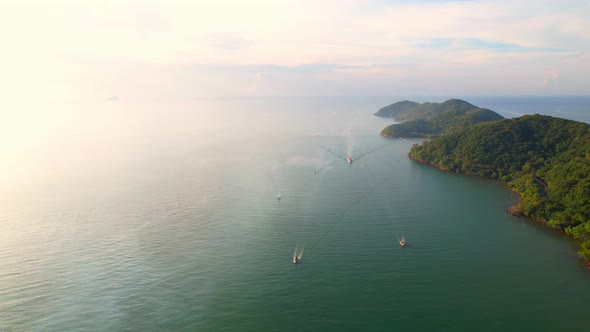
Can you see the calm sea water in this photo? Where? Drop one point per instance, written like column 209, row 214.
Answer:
column 163, row 216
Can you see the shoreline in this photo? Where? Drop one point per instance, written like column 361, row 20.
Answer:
column 512, row 210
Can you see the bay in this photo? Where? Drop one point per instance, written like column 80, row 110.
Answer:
column 135, row 216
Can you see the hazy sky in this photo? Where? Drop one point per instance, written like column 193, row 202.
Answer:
column 184, row 49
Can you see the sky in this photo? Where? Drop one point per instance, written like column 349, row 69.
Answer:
column 175, row 50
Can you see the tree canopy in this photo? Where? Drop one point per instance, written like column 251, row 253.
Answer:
column 544, row 159
column 394, row 110
column 434, row 119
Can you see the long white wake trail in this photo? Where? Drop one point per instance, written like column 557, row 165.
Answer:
column 349, row 144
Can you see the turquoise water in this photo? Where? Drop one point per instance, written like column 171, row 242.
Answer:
column 163, row 216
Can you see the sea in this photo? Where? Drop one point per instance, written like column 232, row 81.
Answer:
column 164, row 216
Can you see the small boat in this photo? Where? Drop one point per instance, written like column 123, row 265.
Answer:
column 297, row 258
column 349, row 159
column 279, row 196
column 402, row 242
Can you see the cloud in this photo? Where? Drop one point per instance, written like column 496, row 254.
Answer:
column 270, row 69
column 480, row 44
column 550, row 76
column 228, row 41
column 293, row 46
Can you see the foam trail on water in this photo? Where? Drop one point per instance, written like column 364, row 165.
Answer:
column 349, row 144
column 332, row 152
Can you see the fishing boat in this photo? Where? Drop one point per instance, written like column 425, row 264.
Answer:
column 349, row 159
column 402, row 241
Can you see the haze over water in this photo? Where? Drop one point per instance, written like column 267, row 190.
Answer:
column 163, row 216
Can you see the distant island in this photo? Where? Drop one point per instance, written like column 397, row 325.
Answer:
column 394, row 110
column 431, row 120
column 546, row 160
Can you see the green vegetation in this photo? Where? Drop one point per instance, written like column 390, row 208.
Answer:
column 434, row 119
column 394, row 110
column 544, row 159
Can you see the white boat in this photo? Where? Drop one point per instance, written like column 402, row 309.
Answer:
column 279, row 196
column 402, row 242
column 297, row 258
column 349, row 159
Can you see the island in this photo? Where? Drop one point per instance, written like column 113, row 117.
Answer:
column 431, row 120
column 546, row 160
column 394, row 110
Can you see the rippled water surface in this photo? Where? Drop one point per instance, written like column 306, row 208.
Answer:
column 163, row 216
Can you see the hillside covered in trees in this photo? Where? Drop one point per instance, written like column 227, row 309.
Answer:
column 544, row 159
column 394, row 110
column 434, row 119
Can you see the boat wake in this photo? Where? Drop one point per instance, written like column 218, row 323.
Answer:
column 297, row 258
column 349, row 159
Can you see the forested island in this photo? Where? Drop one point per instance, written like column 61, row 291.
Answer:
column 430, row 120
column 544, row 159
column 396, row 109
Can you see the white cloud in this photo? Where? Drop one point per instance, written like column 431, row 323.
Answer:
column 70, row 48
column 228, row 41
column 550, row 76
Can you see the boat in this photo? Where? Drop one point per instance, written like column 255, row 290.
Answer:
column 402, row 242
column 297, row 258
column 279, row 196
column 349, row 159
